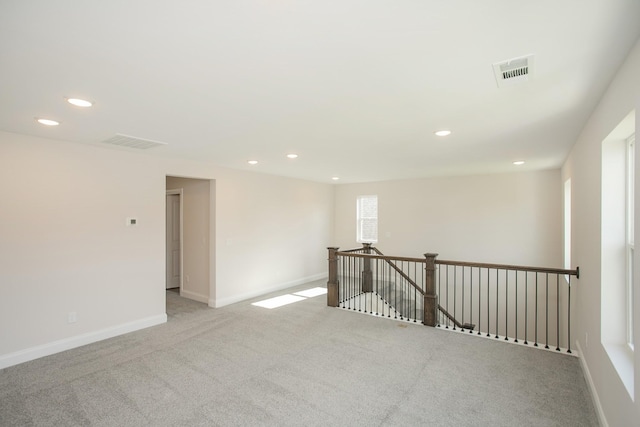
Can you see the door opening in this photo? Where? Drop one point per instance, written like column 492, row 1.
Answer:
column 196, row 227
column 174, row 240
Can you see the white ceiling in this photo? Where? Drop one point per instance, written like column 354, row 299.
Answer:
column 355, row 87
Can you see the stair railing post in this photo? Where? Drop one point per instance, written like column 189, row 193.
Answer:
column 367, row 276
column 430, row 297
column 333, row 296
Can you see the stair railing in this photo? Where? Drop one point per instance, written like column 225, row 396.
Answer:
column 415, row 285
column 528, row 305
column 377, row 284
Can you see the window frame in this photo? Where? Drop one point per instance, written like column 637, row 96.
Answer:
column 630, row 247
column 361, row 219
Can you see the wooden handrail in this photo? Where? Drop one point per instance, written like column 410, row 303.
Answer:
column 351, row 250
column 575, row 272
column 402, row 273
column 383, row 257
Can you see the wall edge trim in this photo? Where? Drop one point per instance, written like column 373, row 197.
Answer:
column 194, row 296
column 32, row 353
column 592, row 388
column 217, row 303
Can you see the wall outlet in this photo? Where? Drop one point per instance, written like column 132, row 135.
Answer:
column 72, row 317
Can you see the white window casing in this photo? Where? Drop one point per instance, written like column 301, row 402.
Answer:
column 367, row 219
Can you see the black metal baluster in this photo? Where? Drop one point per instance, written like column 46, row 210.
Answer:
column 356, row 280
column 402, row 299
column 506, row 305
column 455, row 294
column 462, row 315
column 471, row 298
column 557, row 312
column 448, row 284
column 368, row 306
column 547, row 313
column 407, row 286
column 395, row 295
column 516, row 335
column 374, row 293
column 351, row 273
column 357, row 301
column 350, row 284
column 363, row 299
column 488, row 303
column 536, row 323
column 356, row 283
column 569, row 315
column 386, row 288
column 405, row 294
column 439, row 295
column 340, row 281
column 347, row 287
column 345, row 281
column 497, row 300
column 415, row 293
column 526, row 306
column 479, row 308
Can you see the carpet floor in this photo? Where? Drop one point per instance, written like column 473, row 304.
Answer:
column 302, row 364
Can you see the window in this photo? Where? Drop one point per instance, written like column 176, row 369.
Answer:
column 617, row 249
column 367, row 219
column 567, row 225
column 630, row 175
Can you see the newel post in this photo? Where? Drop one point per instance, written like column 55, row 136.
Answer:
column 430, row 297
column 367, row 276
column 332, row 284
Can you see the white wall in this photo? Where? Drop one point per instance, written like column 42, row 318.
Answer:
column 272, row 232
column 64, row 245
column 584, row 167
column 504, row 218
column 196, row 219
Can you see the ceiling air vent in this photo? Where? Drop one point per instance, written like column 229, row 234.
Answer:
column 513, row 71
column 132, row 142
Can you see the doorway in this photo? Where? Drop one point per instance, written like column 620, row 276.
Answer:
column 190, row 239
column 174, row 240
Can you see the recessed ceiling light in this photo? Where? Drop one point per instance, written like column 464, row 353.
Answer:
column 253, row 162
column 79, row 102
column 47, row 122
column 518, row 162
column 292, row 156
column 443, row 132
column 335, row 178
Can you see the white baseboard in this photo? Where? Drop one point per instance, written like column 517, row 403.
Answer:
column 195, row 296
column 592, row 387
column 36, row 352
column 217, row 303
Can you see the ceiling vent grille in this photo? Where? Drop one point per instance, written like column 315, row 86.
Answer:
column 132, row 142
column 514, row 71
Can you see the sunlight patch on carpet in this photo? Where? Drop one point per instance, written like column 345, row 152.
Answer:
column 313, row 292
column 278, row 301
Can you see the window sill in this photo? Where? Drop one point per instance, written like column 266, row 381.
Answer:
column 621, row 357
